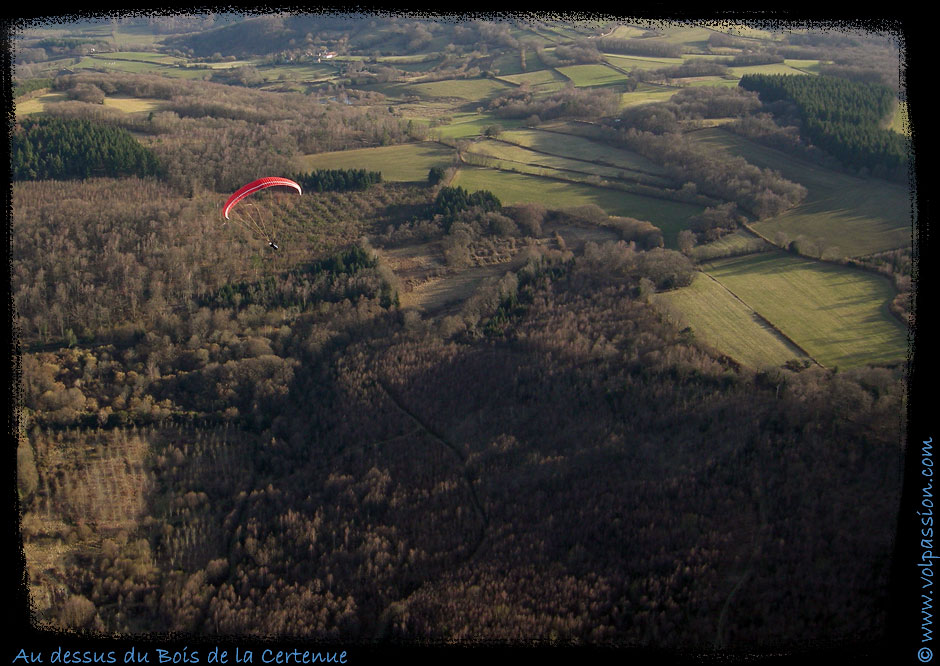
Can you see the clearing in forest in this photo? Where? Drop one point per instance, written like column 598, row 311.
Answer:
column 838, row 315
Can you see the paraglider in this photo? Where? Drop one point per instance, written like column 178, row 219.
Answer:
column 245, row 214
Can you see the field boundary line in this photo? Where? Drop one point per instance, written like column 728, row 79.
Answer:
column 596, row 162
column 589, row 174
column 615, row 185
column 849, row 263
column 787, row 339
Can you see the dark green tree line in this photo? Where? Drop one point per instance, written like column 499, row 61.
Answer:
column 842, row 117
column 338, row 180
column 52, row 148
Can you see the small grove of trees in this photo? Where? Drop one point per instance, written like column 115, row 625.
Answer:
column 338, row 180
column 644, row 47
column 343, row 275
column 52, row 148
column 693, row 103
column 452, row 200
column 436, row 174
column 25, row 86
column 716, row 221
column 570, row 102
column 619, row 261
column 692, row 68
column 644, row 234
column 580, row 52
column 760, row 192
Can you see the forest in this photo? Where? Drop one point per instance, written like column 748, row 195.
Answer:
column 75, row 149
column 221, row 439
column 842, row 117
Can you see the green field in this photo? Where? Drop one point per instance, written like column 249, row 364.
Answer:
column 123, row 103
column 640, row 62
column 133, row 104
column 511, row 188
column 688, row 34
column 312, row 72
column 736, row 243
column 746, row 31
column 627, row 32
column 842, row 214
column 803, row 66
column 469, row 124
column 580, row 148
column 121, row 65
column 408, row 162
column 646, row 93
column 508, row 63
column 520, row 158
column 838, row 315
column 773, row 68
column 414, row 66
column 592, row 75
column 544, row 80
column 466, row 89
column 723, row 322
column 37, row 104
column 142, row 56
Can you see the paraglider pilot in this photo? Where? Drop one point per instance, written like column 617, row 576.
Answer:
column 250, row 188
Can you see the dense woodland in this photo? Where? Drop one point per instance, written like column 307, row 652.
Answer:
column 293, row 455
column 842, row 117
column 338, row 180
column 372, row 473
column 228, row 441
column 56, row 149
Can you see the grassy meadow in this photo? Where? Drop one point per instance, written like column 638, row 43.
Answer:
column 546, row 80
column 838, row 315
column 403, row 163
column 512, row 156
column 843, row 215
column 670, row 216
column 574, row 147
column 40, row 103
column 592, row 75
column 721, row 320
column 464, row 89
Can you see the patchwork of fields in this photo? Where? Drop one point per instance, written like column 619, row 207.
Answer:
column 760, row 308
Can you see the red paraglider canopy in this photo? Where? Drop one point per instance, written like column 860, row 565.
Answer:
column 254, row 186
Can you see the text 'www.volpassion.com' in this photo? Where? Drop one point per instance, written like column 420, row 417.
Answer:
column 925, row 511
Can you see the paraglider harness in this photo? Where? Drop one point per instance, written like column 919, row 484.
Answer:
column 274, row 245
